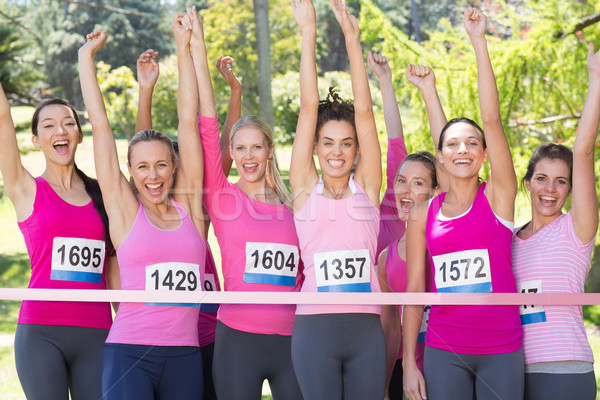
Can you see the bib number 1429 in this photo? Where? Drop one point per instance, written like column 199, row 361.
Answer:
column 173, row 276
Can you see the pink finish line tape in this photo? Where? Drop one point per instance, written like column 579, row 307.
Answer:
column 141, row 296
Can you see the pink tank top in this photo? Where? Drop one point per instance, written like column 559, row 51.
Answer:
column 67, row 251
column 553, row 260
column 207, row 320
column 155, row 259
column 338, row 240
column 471, row 254
column 259, row 245
column 395, row 270
column 391, row 227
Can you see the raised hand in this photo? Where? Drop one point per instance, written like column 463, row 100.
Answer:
column 346, row 20
column 147, row 69
column 226, row 70
column 593, row 63
column 304, row 13
column 420, row 76
column 475, row 23
column 197, row 27
column 182, row 29
column 379, row 65
column 94, row 42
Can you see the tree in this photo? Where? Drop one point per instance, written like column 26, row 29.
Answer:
column 263, row 51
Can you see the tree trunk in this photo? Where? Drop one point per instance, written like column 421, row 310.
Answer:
column 263, row 50
column 415, row 17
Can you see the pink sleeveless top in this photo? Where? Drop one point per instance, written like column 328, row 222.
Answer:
column 338, row 240
column 67, row 251
column 258, row 241
column 395, row 270
column 207, row 320
column 553, row 260
column 155, row 259
column 471, row 254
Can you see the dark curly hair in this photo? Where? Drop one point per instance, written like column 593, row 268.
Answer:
column 334, row 108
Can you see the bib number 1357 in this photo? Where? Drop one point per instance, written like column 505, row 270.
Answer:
column 465, row 271
column 343, row 271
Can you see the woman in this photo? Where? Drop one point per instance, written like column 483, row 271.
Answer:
column 337, row 220
column 148, row 72
column 465, row 234
column 416, row 182
column 406, row 189
column 259, row 250
column 58, row 345
column 152, row 349
column 551, row 254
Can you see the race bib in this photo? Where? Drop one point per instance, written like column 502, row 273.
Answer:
column 76, row 259
column 424, row 323
column 173, row 276
column 271, row 263
column 531, row 314
column 343, row 271
column 463, row 272
column 209, row 286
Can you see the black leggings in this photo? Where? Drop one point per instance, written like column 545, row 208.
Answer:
column 461, row 376
column 207, row 360
column 560, row 386
column 339, row 355
column 52, row 360
column 243, row 360
column 396, row 388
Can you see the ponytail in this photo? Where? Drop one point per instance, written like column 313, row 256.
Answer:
column 93, row 190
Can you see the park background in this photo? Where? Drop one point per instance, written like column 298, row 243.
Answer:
column 538, row 49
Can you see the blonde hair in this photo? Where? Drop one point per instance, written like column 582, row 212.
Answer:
column 272, row 174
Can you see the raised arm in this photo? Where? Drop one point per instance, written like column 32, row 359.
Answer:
column 416, row 255
column 120, row 202
column 368, row 170
column 186, row 26
column 502, row 184
column 234, row 111
column 18, row 183
column 380, row 67
column 303, row 172
column 423, row 78
column 584, row 204
column 147, row 74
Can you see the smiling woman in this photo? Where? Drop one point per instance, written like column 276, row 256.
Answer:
column 487, row 338
column 552, row 252
column 58, row 346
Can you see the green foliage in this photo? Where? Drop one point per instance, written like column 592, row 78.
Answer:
column 164, row 104
column 119, row 88
column 229, row 30
column 17, row 71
